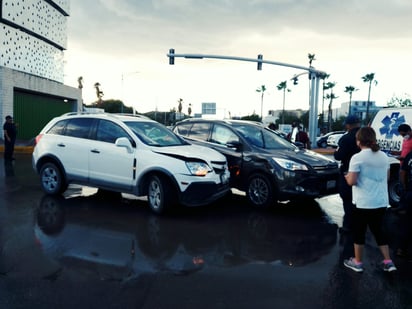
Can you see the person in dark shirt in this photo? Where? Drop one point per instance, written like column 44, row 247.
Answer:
column 10, row 133
column 347, row 147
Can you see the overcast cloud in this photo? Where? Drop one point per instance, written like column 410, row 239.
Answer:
column 109, row 39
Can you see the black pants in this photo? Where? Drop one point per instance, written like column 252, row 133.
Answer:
column 8, row 149
column 345, row 192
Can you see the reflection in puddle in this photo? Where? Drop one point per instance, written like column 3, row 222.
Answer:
column 116, row 239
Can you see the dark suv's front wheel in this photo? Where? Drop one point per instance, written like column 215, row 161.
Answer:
column 52, row 180
column 259, row 191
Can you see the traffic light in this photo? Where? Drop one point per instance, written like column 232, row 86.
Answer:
column 259, row 64
column 295, row 80
column 171, row 56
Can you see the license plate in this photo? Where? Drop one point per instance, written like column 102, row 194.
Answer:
column 331, row 184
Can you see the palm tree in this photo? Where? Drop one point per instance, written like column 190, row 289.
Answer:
column 350, row 90
column 99, row 93
column 189, row 109
column 262, row 90
column 330, row 96
column 80, row 82
column 323, row 77
column 369, row 78
column 179, row 107
column 311, row 58
column 283, row 86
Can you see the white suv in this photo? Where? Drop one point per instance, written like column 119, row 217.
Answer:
column 130, row 154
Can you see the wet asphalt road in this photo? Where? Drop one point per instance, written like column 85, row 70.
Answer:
column 91, row 249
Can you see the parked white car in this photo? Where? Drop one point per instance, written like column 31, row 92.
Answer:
column 130, row 154
column 333, row 140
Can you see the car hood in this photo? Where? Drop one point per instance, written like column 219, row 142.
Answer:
column 191, row 151
column 308, row 157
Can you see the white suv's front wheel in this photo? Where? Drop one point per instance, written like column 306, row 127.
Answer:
column 159, row 195
column 52, row 180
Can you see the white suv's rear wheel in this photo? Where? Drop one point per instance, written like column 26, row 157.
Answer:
column 159, row 194
column 52, row 180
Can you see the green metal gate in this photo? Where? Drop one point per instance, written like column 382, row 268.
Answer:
column 33, row 111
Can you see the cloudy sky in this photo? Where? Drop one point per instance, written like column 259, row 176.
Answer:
column 122, row 44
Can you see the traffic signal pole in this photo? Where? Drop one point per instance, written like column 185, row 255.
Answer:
column 314, row 75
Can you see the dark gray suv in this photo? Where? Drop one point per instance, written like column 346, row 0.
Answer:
column 264, row 165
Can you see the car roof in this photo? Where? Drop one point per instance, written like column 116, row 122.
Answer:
column 103, row 115
column 222, row 121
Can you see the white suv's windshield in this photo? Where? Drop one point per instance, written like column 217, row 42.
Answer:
column 154, row 134
column 263, row 138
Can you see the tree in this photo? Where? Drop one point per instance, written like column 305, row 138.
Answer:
column 189, row 109
column 262, row 90
column 400, row 101
column 283, row 86
column 179, row 107
column 323, row 77
column 80, row 82
column 330, row 96
column 369, row 78
column 311, row 58
column 99, row 93
column 350, row 90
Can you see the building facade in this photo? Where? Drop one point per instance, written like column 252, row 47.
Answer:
column 33, row 37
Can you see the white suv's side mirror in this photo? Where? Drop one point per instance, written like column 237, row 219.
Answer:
column 124, row 142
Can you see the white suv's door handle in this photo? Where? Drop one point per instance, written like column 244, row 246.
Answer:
column 61, row 145
column 95, row 151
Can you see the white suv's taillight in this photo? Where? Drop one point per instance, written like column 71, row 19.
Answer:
column 37, row 139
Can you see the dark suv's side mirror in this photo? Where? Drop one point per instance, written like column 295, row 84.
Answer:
column 235, row 144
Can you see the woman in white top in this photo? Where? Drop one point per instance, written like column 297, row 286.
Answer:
column 368, row 175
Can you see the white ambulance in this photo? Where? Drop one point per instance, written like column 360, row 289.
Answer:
column 386, row 123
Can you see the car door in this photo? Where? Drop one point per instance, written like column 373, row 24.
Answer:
column 70, row 145
column 226, row 141
column 111, row 166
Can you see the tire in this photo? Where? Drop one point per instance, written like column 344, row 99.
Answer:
column 323, row 144
column 395, row 191
column 260, row 191
column 159, row 195
column 52, row 180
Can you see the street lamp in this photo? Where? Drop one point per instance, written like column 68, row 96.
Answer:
column 123, row 76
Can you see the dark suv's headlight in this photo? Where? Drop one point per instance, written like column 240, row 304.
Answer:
column 291, row 165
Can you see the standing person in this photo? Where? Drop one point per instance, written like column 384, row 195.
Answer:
column 347, row 147
column 302, row 137
column 406, row 132
column 368, row 174
column 10, row 133
column 405, row 204
column 292, row 135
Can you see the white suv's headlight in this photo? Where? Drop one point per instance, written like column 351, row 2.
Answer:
column 291, row 165
column 198, row 168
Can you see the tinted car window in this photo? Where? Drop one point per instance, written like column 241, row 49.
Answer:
column 223, row 135
column 108, row 131
column 79, row 127
column 155, row 134
column 58, row 128
column 200, row 131
column 263, row 138
column 183, row 129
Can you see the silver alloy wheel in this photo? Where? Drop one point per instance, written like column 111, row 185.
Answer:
column 259, row 191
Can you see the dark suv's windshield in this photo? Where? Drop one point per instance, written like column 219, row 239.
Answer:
column 154, row 134
column 262, row 138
